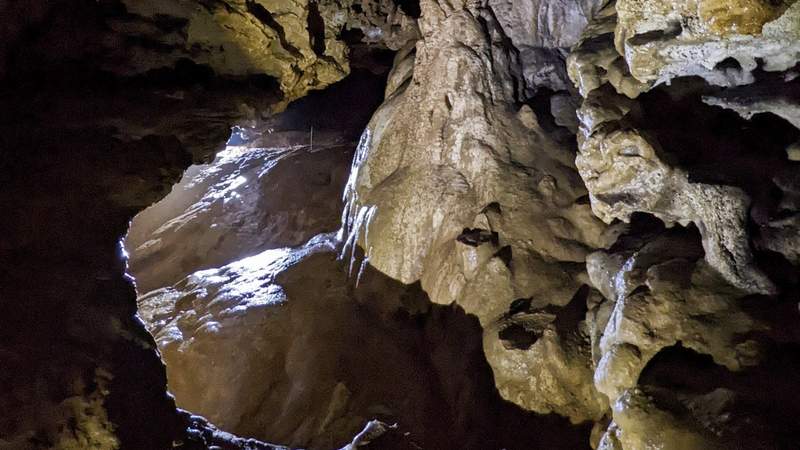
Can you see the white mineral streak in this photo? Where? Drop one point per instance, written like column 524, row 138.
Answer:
column 355, row 215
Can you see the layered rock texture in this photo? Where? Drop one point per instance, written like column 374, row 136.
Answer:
column 488, row 205
column 565, row 224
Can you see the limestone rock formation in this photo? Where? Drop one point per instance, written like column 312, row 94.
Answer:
column 624, row 174
column 561, row 216
column 546, row 351
column 284, row 345
column 677, row 307
column 594, row 62
column 541, row 32
column 483, row 181
column 296, row 43
column 662, row 40
column 477, row 201
column 778, row 95
column 391, row 24
column 288, row 41
column 657, row 296
column 103, row 110
column 248, row 200
column 296, row 344
column 420, row 210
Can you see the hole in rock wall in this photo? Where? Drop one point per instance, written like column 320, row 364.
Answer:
column 691, row 384
column 316, row 29
column 720, row 146
column 715, row 145
column 410, row 7
column 265, row 333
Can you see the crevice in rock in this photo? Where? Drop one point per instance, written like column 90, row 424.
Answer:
column 684, row 370
column 570, row 315
column 672, row 30
column 728, row 64
column 410, row 7
column 475, row 237
column 517, row 337
column 714, row 145
column 316, row 29
column 261, row 13
column 493, row 208
column 359, row 95
column 688, row 383
column 505, row 254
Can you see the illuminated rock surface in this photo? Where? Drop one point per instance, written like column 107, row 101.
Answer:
column 490, row 216
column 662, row 150
column 587, row 209
column 662, row 40
column 299, row 346
column 247, row 200
column 481, row 214
column 283, row 345
column 102, row 112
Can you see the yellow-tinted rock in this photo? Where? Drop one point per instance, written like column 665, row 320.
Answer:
column 665, row 40
column 739, row 16
column 458, row 186
column 237, row 38
column 640, row 424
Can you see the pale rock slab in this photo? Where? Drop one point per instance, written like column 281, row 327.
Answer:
column 663, row 40
column 249, row 199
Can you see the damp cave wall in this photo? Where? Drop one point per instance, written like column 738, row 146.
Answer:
column 82, row 152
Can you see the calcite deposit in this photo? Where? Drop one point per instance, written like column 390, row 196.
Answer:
column 432, row 224
column 662, row 40
column 482, row 214
column 662, row 294
column 421, row 210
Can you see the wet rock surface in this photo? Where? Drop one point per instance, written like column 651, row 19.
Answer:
column 278, row 184
column 246, row 201
column 567, row 224
column 91, row 135
column 421, row 190
column 284, row 345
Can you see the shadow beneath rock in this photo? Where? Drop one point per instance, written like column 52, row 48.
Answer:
column 424, row 363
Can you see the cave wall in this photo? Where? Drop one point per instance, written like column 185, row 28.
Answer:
column 568, row 255
column 104, row 105
column 294, row 342
column 610, row 188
